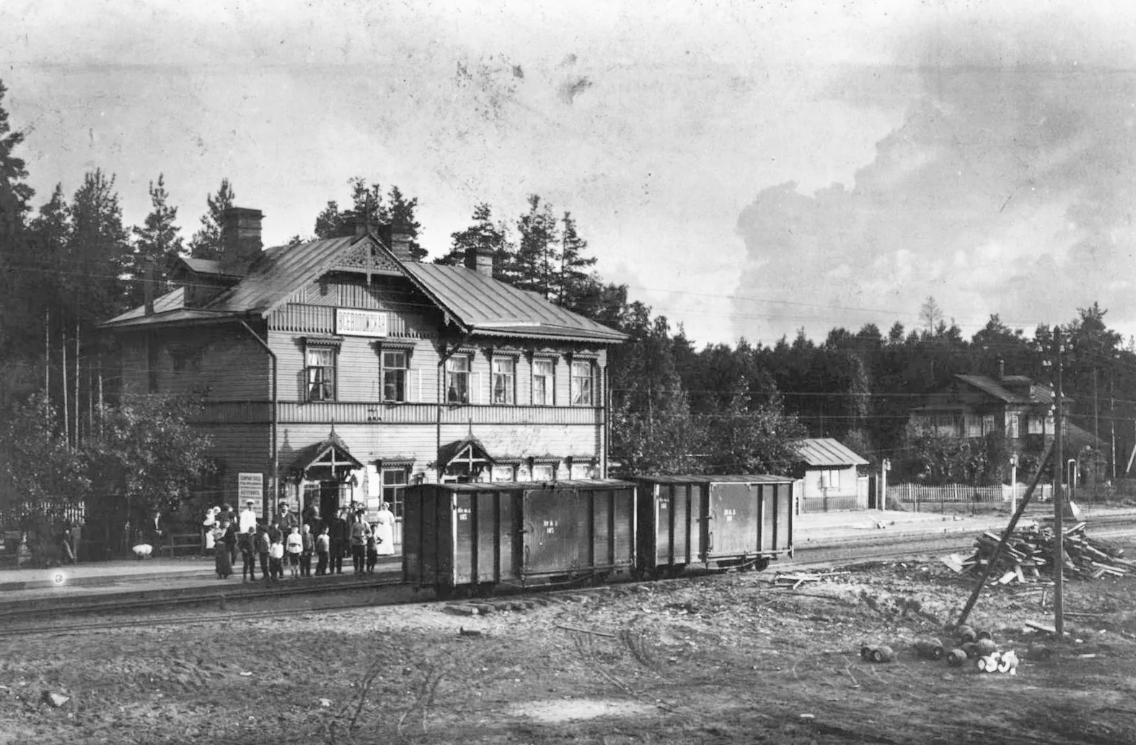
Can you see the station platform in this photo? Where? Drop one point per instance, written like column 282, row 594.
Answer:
column 135, row 578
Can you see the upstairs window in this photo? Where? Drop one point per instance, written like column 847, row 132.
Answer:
column 542, row 383
column 457, row 379
column 504, row 380
column 582, row 384
column 321, row 373
column 395, row 366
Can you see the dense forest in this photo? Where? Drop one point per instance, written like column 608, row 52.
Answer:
column 71, row 262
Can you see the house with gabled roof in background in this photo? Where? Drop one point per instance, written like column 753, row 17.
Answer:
column 828, row 476
column 1015, row 408
column 341, row 370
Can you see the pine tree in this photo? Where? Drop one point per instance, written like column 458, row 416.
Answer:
column 98, row 252
column 537, row 258
column 206, row 242
column 329, row 221
column 156, row 244
column 483, row 231
column 576, row 283
column 19, row 260
column 15, row 194
column 401, row 212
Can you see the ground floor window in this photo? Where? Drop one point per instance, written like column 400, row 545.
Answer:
column 581, row 471
column 504, row 473
column 830, row 478
column 394, row 488
column 543, row 472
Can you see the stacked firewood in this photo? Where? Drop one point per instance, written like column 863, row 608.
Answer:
column 1029, row 554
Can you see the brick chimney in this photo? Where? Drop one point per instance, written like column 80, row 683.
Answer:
column 400, row 240
column 480, row 259
column 354, row 225
column 240, row 238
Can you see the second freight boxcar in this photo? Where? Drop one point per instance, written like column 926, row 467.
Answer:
column 717, row 521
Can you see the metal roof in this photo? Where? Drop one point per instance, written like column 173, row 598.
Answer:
column 277, row 273
column 530, row 485
column 1038, row 394
column 483, row 305
column 168, row 309
column 707, row 479
column 496, row 308
column 827, row 452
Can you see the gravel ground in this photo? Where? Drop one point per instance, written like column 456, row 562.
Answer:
column 730, row 658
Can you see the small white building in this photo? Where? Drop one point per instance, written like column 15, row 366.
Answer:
column 827, row 479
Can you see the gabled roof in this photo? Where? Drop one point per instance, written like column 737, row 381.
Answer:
column 1038, row 394
column 469, row 447
column 483, row 306
column 494, row 308
column 825, row 452
column 331, row 454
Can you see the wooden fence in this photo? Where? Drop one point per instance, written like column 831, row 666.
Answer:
column 926, row 498
column 16, row 516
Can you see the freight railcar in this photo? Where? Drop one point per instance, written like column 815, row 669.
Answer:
column 717, row 521
column 472, row 537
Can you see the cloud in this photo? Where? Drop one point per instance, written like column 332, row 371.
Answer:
column 1007, row 188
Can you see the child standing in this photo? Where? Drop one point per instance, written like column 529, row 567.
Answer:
column 247, row 545
column 307, row 546
column 295, row 545
column 372, row 551
column 323, row 551
column 276, row 559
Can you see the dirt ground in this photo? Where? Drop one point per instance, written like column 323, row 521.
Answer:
column 718, row 659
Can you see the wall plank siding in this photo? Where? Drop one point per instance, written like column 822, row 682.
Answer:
column 235, row 372
column 223, row 361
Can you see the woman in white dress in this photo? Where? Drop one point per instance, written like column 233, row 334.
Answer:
column 384, row 527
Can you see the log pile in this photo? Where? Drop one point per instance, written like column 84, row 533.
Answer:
column 1028, row 555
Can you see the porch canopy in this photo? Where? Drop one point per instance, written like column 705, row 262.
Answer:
column 467, row 455
column 329, row 460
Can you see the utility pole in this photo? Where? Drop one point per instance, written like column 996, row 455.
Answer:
column 1112, row 421
column 1058, row 477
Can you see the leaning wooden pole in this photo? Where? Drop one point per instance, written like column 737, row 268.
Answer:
column 63, row 377
column 1005, row 536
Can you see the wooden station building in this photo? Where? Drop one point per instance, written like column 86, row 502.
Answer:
column 341, row 370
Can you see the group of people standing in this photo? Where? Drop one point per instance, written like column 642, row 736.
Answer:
column 291, row 540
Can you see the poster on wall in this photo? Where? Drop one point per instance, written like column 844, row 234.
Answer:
column 250, row 486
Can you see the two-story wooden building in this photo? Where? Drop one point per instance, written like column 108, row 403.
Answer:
column 340, row 370
column 1015, row 408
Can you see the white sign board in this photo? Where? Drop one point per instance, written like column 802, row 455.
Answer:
column 250, row 486
column 360, row 322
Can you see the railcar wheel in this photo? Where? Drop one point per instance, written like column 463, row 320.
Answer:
column 761, row 564
column 443, row 591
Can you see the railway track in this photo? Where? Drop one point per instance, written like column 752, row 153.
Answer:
column 390, row 590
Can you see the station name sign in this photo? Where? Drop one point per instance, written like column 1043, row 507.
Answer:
column 360, row 322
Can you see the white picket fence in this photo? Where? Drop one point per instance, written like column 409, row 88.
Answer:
column 917, row 495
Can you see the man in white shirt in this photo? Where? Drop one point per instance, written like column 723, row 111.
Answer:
column 248, row 517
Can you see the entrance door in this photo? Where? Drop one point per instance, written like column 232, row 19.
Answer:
column 329, row 500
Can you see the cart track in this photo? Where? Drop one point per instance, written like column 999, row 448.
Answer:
column 807, row 559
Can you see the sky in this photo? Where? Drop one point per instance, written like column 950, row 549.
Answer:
column 747, row 169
